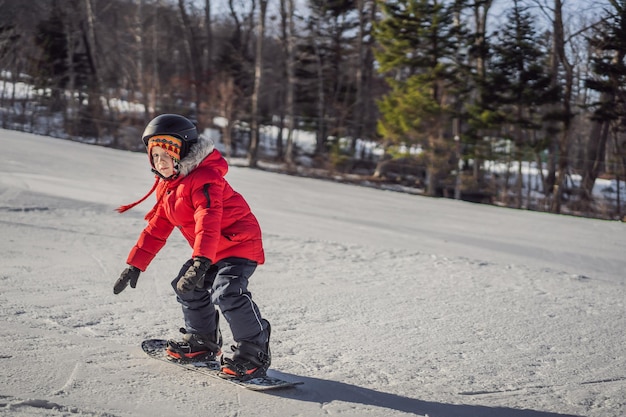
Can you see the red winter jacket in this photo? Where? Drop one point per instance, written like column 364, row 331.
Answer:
column 216, row 220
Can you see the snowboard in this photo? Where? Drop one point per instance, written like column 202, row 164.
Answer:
column 155, row 348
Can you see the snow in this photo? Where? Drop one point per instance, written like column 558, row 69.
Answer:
column 382, row 303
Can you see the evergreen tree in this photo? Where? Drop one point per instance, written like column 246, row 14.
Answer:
column 65, row 65
column 419, row 48
column 480, row 119
column 325, row 64
column 609, row 67
column 519, row 85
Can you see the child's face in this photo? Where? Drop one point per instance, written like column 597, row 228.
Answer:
column 162, row 162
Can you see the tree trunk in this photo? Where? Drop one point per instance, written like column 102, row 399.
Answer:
column 258, row 73
column 70, row 109
column 94, row 106
column 140, row 41
column 227, row 96
column 320, row 135
column 208, row 45
column 519, row 181
column 358, row 113
column 289, row 35
column 563, row 161
column 481, row 12
column 155, row 85
column 193, row 57
column 594, row 160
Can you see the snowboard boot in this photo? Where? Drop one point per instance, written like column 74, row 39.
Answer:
column 249, row 360
column 196, row 346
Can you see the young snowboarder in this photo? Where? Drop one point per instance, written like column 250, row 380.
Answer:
column 226, row 243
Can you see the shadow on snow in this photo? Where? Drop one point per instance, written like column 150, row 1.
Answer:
column 325, row 391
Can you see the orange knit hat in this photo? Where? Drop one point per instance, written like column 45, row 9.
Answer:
column 171, row 144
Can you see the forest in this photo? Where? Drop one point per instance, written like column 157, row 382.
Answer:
column 519, row 103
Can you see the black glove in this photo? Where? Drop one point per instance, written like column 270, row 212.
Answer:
column 130, row 274
column 194, row 275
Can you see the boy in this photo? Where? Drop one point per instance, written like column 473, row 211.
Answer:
column 225, row 237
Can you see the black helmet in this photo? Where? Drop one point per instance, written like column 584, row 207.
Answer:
column 173, row 125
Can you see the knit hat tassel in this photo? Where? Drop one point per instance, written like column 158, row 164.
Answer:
column 122, row 209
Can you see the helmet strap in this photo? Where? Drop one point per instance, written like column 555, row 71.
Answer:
column 171, row 177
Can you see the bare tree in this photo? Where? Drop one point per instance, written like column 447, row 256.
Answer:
column 258, row 73
column 94, row 105
column 155, row 86
column 289, row 40
column 366, row 11
column 227, row 97
column 208, row 45
column 194, row 57
column 70, row 32
column 564, row 136
column 141, row 50
column 480, row 11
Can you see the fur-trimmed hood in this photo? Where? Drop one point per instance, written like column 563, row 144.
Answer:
column 200, row 150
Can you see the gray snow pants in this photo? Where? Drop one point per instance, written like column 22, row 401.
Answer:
column 225, row 286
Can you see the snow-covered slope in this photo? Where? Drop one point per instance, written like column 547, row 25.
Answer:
column 384, row 304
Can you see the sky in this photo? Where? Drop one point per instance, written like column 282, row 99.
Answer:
column 574, row 11
column 382, row 303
